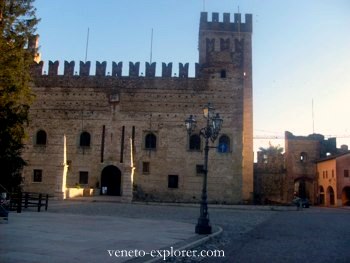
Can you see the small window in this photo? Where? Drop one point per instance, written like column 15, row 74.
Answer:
column 41, row 137
column 224, row 144
column 85, row 139
column 303, row 157
column 37, row 176
column 200, row 169
column 145, row 168
column 195, row 142
column 83, row 177
column 346, row 173
column 173, row 181
column 150, row 141
column 223, row 74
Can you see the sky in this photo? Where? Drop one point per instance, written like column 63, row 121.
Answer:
column 301, row 52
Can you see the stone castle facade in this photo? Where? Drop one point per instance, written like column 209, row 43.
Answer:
column 125, row 135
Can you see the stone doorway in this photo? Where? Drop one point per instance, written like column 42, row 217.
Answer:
column 330, row 196
column 346, row 196
column 300, row 188
column 111, row 181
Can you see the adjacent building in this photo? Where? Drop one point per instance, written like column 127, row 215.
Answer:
column 334, row 179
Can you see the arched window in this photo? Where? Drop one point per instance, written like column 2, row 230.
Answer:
column 303, row 157
column 41, row 137
column 150, row 141
column 321, row 189
column 195, row 142
column 224, row 144
column 85, row 139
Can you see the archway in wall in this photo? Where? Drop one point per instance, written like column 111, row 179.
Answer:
column 111, row 181
column 301, row 189
column 330, row 196
column 345, row 197
column 321, row 195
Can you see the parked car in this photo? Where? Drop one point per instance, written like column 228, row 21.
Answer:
column 304, row 202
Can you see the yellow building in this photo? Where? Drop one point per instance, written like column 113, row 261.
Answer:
column 334, row 180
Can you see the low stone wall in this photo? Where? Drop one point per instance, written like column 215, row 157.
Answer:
column 79, row 192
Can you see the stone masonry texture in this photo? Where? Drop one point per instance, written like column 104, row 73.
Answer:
column 119, row 111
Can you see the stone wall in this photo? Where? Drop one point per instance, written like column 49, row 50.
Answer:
column 301, row 154
column 119, row 111
column 269, row 178
column 71, row 105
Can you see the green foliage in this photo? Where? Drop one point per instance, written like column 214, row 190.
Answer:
column 17, row 26
column 271, row 150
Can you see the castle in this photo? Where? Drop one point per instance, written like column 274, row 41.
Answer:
column 112, row 134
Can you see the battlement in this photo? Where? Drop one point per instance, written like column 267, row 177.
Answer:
column 226, row 24
column 116, row 71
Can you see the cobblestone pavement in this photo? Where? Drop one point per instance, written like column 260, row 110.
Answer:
column 312, row 235
column 244, row 219
column 250, row 233
column 238, row 221
column 234, row 221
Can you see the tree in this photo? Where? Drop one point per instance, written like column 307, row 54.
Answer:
column 17, row 26
column 271, row 150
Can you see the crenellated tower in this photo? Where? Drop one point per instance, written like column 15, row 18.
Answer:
column 225, row 46
column 225, row 52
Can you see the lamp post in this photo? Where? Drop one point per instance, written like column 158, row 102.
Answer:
column 211, row 131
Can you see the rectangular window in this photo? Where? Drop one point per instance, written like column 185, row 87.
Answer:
column 37, row 176
column 200, row 169
column 346, row 173
column 173, row 181
column 145, row 168
column 83, row 177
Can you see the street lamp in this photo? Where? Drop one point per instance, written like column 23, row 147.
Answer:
column 211, row 131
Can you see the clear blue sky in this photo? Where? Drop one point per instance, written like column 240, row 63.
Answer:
column 301, row 51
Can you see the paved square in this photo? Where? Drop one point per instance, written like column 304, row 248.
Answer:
column 55, row 237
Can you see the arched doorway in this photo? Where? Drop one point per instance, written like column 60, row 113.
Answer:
column 300, row 188
column 345, row 197
column 321, row 195
column 111, row 180
column 330, row 196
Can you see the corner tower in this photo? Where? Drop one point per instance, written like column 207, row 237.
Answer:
column 225, row 52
